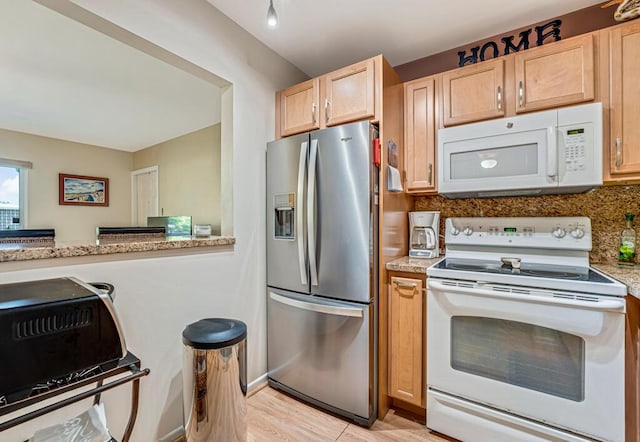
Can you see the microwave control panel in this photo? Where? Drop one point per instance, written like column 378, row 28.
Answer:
column 579, row 140
column 575, row 149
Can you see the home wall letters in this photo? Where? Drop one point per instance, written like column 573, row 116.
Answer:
column 547, row 32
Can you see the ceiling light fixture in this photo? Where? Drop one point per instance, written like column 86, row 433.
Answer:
column 272, row 17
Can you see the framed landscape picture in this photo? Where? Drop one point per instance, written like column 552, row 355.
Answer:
column 79, row 190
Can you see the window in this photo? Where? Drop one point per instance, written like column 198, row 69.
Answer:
column 13, row 192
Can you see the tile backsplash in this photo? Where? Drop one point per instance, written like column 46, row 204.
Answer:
column 605, row 206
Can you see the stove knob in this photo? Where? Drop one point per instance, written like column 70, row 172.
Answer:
column 454, row 230
column 577, row 233
column 558, row 232
column 467, row 231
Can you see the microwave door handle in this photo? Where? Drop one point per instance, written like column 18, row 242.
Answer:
column 300, row 214
column 552, row 153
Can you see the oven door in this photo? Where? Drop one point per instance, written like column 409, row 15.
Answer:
column 547, row 356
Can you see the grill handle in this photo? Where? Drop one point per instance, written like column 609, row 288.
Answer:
column 105, row 287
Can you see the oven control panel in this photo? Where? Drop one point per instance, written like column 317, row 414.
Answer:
column 571, row 233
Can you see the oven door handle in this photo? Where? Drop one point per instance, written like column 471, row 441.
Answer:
column 616, row 305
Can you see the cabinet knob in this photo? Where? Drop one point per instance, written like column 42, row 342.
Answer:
column 313, row 113
column 618, row 152
column 499, row 96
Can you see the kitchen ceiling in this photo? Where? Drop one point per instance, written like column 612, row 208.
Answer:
column 320, row 36
column 61, row 79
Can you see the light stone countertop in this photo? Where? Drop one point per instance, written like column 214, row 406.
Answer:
column 412, row 265
column 75, row 250
column 629, row 276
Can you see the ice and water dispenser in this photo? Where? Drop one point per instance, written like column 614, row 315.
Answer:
column 284, row 216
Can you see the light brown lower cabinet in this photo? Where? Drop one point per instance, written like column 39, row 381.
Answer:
column 407, row 344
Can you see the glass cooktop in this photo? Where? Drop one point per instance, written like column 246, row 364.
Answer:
column 526, row 269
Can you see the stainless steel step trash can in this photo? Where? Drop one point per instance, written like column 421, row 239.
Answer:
column 214, row 379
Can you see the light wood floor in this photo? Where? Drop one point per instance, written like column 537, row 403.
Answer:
column 275, row 416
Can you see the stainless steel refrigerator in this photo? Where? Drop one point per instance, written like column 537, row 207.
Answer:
column 322, row 268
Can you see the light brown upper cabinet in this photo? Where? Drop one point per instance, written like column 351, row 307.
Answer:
column 473, row 93
column 406, row 339
column 299, row 107
column 349, row 93
column 557, row 74
column 420, row 135
column 623, row 146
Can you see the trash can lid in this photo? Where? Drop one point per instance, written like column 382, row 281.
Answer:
column 212, row 333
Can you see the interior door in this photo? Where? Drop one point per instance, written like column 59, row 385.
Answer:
column 340, row 225
column 144, row 195
column 286, row 236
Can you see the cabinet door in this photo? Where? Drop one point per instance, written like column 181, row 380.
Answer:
column 406, row 337
column 555, row 75
column 473, row 93
column 625, row 101
column 420, row 135
column 299, row 107
column 349, row 93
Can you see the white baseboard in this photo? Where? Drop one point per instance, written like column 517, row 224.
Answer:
column 256, row 384
column 172, row 435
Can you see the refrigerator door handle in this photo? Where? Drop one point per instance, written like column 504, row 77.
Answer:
column 319, row 308
column 311, row 219
column 300, row 210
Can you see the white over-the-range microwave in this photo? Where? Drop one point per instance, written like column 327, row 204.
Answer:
column 556, row 151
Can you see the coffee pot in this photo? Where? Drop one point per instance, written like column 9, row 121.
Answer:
column 424, row 228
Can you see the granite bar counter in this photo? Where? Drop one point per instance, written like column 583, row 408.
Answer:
column 13, row 253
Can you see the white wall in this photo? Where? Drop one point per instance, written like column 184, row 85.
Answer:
column 50, row 157
column 188, row 175
column 158, row 297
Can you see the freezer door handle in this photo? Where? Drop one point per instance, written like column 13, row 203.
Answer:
column 319, row 308
column 311, row 219
column 300, row 213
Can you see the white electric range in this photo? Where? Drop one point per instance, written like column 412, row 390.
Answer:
column 525, row 341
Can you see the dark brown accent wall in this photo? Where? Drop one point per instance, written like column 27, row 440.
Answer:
column 605, row 207
column 575, row 23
